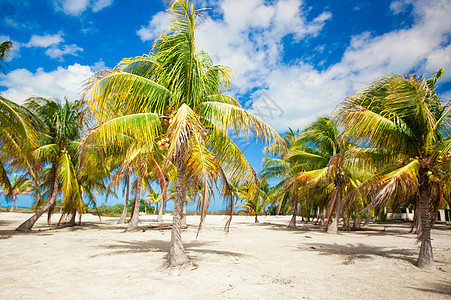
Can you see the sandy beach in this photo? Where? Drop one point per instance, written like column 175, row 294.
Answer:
column 254, row 261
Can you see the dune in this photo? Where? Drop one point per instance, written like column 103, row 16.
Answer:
column 254, row 261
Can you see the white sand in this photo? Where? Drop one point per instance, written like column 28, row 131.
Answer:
column 255, row 261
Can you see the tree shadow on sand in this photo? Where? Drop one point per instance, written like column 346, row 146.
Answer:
column 192, row 248
column 352, row 252
column 441, row 288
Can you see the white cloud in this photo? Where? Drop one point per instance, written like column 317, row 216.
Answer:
column 100, row 4
column 251, row 44
column 77, row 7
column 71, row 7
column 44, row 41
column 53, row 44
column 399, row 6
column 22, row 84
column 157, row 25
column 55, row 52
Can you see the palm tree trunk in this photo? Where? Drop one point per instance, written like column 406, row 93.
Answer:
column 50, row 213
column 425, row 257
column 184, row 225
column 28, row 224
column 155, row 209
column 127, row 193
column 292, row 223
column 256, row 219
column 356, row 224
column 333, row 228
column 14, row 203
column 177, row 255
column 72, row 217
column 160, row 212
column 164, row 187
column 133, row 223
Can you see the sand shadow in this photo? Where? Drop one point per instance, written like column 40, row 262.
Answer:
column 352, row 252
column 442, row 288
column 192, row 248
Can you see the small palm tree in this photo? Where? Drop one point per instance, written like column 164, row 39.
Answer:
column 21, row 185
column 59, row 146
column 255, row 206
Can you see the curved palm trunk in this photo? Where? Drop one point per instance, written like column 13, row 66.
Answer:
column 133, row 223
column 28, row 224
column 425, row 257
column 177, row 255
column 127, row 193
column 256, row 219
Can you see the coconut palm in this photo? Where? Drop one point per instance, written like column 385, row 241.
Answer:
column 283, row 166
column 175, row 96
column 155, row 198
column 321, row 154
column 21, row 185
column 18, row 139
column 254, row 206
column 403, row 119
column 58, row 148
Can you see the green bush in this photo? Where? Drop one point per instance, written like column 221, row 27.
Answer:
column 115, row 210
column 110, row 210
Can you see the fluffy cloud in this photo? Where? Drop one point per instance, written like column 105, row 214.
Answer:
column 157, row 25
column 62, row 82
column 53, row 44
column 249, row 39
column 55, row 52
column 45, row 41
column 77, row 7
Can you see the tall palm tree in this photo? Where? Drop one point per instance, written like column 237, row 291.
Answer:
column 58, row 148
column 175, row 96
column 404, row 121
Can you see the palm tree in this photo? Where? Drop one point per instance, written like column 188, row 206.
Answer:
column 21, row 185
column 175, row 96
column 283, row 166
column 404, row 121
column 5, row 48
column 153, row 197
column 321, row 154
column 58, row 149
column 255, row 206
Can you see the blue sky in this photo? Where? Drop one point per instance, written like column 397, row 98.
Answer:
column 292, row 60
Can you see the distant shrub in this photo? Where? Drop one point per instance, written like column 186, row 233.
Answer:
column 106, row 210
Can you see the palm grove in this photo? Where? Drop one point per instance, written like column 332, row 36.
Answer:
column 163, row 118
